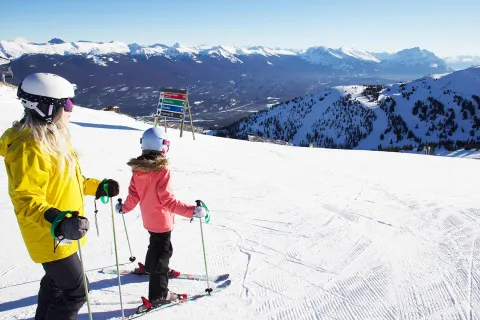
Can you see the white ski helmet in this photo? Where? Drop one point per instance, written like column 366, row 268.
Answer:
column 155, row 139
column 43, row 94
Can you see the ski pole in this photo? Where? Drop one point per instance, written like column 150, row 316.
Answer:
column 107, row 197
column 61, row 217
column 96, row 221
column 84, row 280
column 132, row 258
column 208, row 289
column 116, row 258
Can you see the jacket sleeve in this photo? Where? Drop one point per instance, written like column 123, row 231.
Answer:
column 29, row 175
column 132, row 198
column 90, row 186
column 167, row 199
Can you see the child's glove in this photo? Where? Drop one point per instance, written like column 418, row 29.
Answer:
column 118, row 208
column 199, row 212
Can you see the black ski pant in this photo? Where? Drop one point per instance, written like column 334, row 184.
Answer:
column 157, row 260
column 62, row 291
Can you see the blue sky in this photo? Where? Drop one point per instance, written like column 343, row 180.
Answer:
column 445, row 27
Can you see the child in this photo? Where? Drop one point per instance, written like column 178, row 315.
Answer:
column 150, row 185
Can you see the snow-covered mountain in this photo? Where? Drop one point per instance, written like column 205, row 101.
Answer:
column 408, row 60
column 14, row 49
column 439, row 109
column 462, row 62
column 410, row 56
column 343, row 58
column 337, row 58
column 225, row 82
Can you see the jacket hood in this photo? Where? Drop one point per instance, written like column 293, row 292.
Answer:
column 148, row 163
column 9, row 136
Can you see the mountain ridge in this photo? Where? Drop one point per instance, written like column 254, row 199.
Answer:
column 438, row 109
column 14, row 49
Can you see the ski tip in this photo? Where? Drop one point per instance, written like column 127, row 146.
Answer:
column 225, row 284
column 222, row 277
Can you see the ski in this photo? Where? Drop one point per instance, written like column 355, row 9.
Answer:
column 201, row 277
column 140, row 271
column 141, row 310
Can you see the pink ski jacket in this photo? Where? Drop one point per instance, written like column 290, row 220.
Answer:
column 150, row 185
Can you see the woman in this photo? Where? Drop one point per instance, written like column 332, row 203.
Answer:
column 44, row 181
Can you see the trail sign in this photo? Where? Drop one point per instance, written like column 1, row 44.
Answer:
column 172, row 104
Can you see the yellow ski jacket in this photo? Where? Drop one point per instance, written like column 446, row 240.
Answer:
column 35, row 186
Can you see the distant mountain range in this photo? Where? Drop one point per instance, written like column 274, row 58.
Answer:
column 225, row 83
column 440, row 110
column 462, row 62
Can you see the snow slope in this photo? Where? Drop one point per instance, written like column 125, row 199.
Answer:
column 305, row 233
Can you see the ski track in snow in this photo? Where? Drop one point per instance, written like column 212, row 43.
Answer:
column 4, row 273
column 305, row 234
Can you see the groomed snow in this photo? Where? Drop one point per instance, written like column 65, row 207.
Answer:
column 305, row 233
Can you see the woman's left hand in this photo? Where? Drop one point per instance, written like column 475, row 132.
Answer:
column 112, row 187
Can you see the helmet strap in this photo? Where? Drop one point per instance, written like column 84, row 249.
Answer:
column 44, row 107
column 35, row 109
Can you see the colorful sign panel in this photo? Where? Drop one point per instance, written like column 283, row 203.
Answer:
column 172, row 103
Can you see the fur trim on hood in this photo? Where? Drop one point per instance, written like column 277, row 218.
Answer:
column 148, row 163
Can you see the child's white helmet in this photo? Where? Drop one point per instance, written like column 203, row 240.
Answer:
column 155, row 139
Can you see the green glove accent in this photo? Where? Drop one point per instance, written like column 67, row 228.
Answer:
column 57, row 220
column 207, row 216
column 105, row 187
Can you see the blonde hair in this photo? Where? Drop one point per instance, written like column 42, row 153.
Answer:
column 52, row 137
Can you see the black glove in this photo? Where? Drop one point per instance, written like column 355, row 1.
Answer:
column 112, row 187
column 73, row 228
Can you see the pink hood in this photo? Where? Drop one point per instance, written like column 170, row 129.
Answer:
column 150, row 185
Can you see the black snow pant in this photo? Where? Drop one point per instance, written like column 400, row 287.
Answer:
column 157, row 260
column 62, row 291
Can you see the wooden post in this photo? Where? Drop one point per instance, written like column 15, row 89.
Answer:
column 191, row 120
column 157, row 113
column 183, row 118
column 181, row 126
